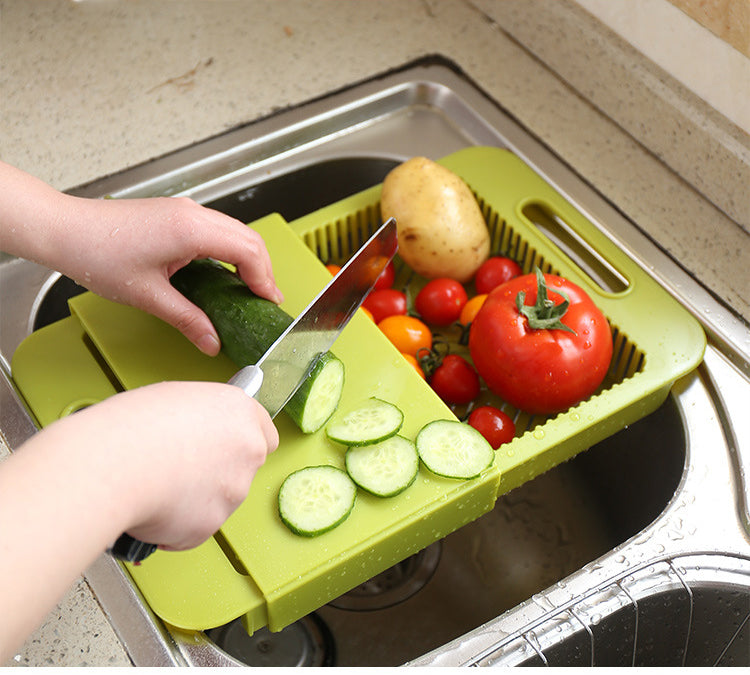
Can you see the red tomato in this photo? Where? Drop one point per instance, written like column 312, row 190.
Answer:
column 540, row 370
column 495, row 271
column 440, row 301
column 385, row 280
column 407, row 333
column 385, row 302
column 455, row 381
column 496, row 426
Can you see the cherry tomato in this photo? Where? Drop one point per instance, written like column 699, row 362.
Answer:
column 470, row 309
column 407, row 333
column 495, row 271
column 385, row 302
column 333, row 269
column 440, row 301
column 455, row 380
column 541, row 369
column 414, row 363
column 368, row 313
column 385, row 280
column 496, row 426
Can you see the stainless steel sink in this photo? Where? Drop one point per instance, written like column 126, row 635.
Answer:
column 636, row 552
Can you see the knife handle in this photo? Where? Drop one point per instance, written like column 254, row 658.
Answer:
column 249, row 379
column 130, row 549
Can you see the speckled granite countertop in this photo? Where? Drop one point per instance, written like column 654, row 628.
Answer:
column 90, row 88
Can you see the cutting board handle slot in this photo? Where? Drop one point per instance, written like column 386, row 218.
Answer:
column 231, row 555
column 599, row 270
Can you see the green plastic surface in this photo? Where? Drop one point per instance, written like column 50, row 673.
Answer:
column 255, row 567
column 268, row 572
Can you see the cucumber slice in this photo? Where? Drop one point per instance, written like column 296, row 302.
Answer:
column 316, row 499
column 372, row 422
column 453, row 449
column 318, row 397
column 383, row 469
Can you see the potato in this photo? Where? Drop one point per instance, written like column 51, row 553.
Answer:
column 441, row 231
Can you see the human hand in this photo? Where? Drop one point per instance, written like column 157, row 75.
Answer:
column 168, row 463
column 140, row 243
column 128, row 249
column 173, row 460
column 200, row 446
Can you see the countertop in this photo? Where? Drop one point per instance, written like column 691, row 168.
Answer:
column 92, row 87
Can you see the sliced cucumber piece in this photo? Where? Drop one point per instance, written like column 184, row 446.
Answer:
column 453, row 449
column 316, row 499
column 372, row 422
column 383, row 469
column 318, row 397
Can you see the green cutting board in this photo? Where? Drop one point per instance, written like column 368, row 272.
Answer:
column 261, row 569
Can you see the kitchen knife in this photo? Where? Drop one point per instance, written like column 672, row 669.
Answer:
column 277, row 375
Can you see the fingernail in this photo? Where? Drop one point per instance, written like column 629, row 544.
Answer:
column 275, row 292
column 208, row 344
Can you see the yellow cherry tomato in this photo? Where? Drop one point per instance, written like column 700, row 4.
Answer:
column 414, row 363
column 471, row 308
column 407, row 333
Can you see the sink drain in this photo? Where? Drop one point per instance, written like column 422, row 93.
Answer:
column 305, row 643
column 394, row 585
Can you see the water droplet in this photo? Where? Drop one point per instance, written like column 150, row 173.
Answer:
column 114, row 232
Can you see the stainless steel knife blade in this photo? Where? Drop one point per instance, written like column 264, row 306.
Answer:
column 278, row 374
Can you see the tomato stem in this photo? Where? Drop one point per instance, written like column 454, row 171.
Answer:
column 544, row 314
column 430, row 359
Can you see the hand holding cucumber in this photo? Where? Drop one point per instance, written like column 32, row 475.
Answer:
column 127, row 249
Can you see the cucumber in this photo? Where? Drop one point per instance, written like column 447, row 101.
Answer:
column 453, row 449
column 248, row 325
column 383, row 469
column 372, row 422
column 318, row 397
column 316, row 499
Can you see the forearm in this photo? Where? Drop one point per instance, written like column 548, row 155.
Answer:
column 31, row 215
column 167, row 463
column 56, row 516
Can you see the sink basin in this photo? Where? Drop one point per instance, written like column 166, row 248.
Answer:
column 690, row 611
column 635, row 552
